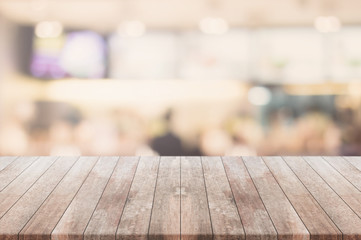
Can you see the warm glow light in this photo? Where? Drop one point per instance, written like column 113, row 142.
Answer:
column 354, row 89
column 259, row 96
column 48, row 29
column 132, row 28
column 213, row 25
column 327, row 24
column 327, row 88
column 159, row 93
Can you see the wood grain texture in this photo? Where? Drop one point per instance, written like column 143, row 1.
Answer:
column 45, row 219
column 313, row 216
column 226, row 223
column 346, row 169
column 5, row 161
column 347, row 191
column 132, row 198
column 104, row 222
column 134, row 223
column 19, row 214
column 256, row 221
column 285, row 218
column 165, row 219
column 340, row 213
column 75, row 219
column 195, row 219
column 356, row 161
column 14, row 169
column 11, row 194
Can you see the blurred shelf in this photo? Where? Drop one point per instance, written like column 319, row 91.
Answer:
column 148, row 93
column 142, row 93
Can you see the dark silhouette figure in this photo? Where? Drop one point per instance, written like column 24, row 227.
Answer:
column 168, row 144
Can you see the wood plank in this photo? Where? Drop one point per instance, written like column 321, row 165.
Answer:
column 356, row 161
column 134, row 223
column 313, row 216
column 257, row 226
column 195, row 218
column 343, row 188
column 11, row 194
column 226, row 223
column 340, row 213
column 75, row 219
column 174, row 198
column 285, row 218
column 45, row 219
column 17, row 217
column 104, row 222
column 5, row 161
column 14, row 169
column 346, row 169
column 165, row 219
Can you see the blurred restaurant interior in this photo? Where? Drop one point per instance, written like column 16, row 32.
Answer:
column 180, row 77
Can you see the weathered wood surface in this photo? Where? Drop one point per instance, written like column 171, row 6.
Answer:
column 105, row 219
column 22, row 211
column 46, row 218
column 195, row 221
column 75, row 219
column 165, row 220
column 256, row 221
column 319, row 225
column 345, row 189
column 116, row 198
column 339, row 212
column 134, row 222
column 226, row 223
column 284, row 216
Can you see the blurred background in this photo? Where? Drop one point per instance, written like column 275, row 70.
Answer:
column 180, row 77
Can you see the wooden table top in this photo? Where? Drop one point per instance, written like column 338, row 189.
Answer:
column 107, row 198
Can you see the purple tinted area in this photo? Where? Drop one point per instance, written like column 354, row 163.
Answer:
column 44, row 66
column 69, row 62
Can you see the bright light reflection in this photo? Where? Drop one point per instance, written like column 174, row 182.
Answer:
column 48, row 29
column 259, row 96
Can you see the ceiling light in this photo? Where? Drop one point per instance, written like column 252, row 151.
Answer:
column 213, row 25
column 48, row 29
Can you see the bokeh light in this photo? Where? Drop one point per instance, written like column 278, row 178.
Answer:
column 180, row 77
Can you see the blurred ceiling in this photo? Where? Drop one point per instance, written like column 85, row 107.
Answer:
column 105, row 15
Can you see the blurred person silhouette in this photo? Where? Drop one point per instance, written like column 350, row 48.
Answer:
column 168, row 144
column 350, row 132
